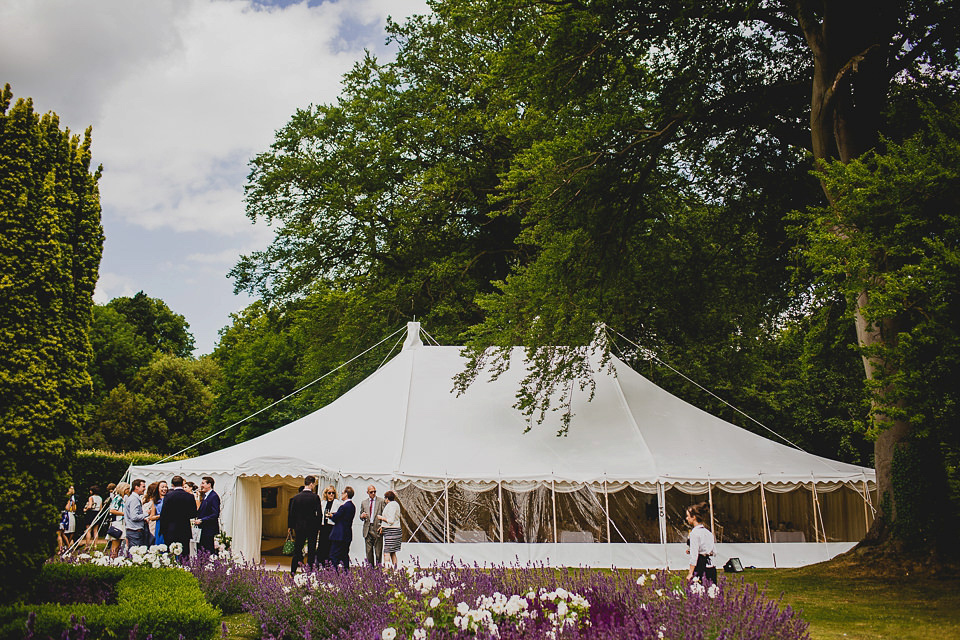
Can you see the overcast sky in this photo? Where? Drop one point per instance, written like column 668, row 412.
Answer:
column 181, row 94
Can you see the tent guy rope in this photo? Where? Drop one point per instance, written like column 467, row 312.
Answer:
column 289, row 395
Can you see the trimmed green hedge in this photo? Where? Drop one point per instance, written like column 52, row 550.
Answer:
column 164, row 603
column 95, row 466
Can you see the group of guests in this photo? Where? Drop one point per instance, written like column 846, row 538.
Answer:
column 137, row 514
column 324, row 524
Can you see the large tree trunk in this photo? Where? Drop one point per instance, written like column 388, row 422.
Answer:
column 849, row 41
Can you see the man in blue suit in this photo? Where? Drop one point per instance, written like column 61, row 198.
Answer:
column 208, row 515
column 342, row 534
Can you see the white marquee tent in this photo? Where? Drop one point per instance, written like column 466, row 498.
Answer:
column 476, row 487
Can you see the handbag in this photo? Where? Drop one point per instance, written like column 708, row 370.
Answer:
column 113, row 531
column 288, row 545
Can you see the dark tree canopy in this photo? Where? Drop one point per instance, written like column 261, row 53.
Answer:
column 525, row 171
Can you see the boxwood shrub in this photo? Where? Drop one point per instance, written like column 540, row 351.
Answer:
column 166, row 604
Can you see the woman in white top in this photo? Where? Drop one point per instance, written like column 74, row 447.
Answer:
column 702, row 545
column 390, row 527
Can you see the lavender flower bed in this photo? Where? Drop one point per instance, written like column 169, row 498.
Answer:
column 535, row 603
column 453, row 601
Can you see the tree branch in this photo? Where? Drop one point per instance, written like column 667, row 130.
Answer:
column 918, row 50
column 809, row 26
column 830, row 95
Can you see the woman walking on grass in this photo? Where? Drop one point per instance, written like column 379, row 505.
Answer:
column 702, row 545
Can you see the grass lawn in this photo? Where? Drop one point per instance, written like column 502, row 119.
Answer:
column 850, row 605
column 837, row 601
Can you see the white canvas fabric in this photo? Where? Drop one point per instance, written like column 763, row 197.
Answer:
column 404, row 424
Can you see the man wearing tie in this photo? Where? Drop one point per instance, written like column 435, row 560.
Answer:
column 208, row 515
column 370, row 508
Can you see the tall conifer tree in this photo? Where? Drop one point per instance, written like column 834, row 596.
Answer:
column 51, row 240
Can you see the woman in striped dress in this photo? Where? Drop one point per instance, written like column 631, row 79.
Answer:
column 390, row 527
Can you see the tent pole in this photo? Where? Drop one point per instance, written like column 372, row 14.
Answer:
column 500, row 499
column 606, row 507
column 813, row 507
column 446, row 510
column 662, row 516
column 866, row 513
column 713, row 525
column 766, row 520
column 553, row 499
column 823, row 525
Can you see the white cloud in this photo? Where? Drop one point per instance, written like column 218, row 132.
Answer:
column 112, row 285
column 181, row 94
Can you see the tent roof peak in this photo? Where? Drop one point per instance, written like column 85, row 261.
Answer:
column 413, row 336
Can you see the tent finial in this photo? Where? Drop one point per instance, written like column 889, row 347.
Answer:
column 413, row 336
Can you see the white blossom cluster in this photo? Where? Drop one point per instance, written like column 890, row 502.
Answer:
column 490, row 612
column 156, row 556
column 309, row 581
column 698, row 589
column 570, row 608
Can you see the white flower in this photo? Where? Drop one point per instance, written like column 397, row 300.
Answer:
column 428, row 623
column 659, row 593
column 307, row 599
column 696, row 588
column 176, row 548
column 435, row 602
column 286, row 589
column 419, row 634
column 562, row 608
column 447, row 592
column 642, row 580
column 713, row 591
column 389, row 633
column 660, row 635
column 425, row 584
column 463, row 608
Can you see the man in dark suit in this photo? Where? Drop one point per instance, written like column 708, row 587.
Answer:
column 304, row 519
column 179, row 507
column 342, row 534
column 208, row 515
column 370, row 510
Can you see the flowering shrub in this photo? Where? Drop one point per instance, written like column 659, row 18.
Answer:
column 458, row 601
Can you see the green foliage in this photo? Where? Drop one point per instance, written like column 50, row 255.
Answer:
column 165, row 604
column 97, row 467
column 893, row 231
column 154, row 322
column 50, row 246
column 118, row 350
column 920, row 492
column 167, row 404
